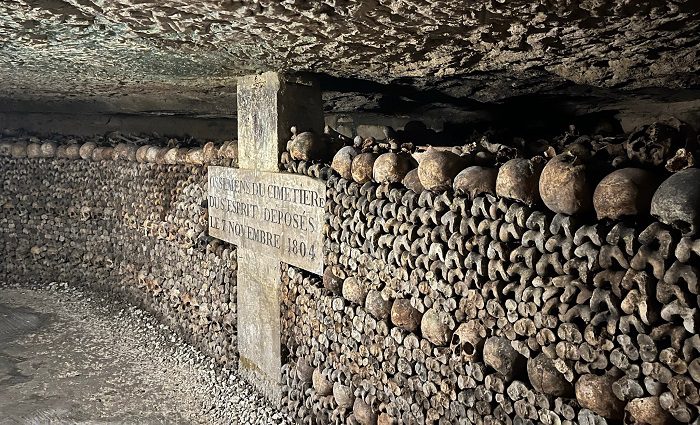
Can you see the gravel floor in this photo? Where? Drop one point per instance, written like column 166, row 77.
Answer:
column 70, row 356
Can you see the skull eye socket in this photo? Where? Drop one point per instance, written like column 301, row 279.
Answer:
column 637, row 145
column 468, row 348
column 683, row 226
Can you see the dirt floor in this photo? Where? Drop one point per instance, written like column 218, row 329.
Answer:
column 74, row 357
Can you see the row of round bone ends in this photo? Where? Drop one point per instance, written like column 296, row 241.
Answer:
column 119, row 147
column 652, row 170
column 138, row 230
column 442, row 307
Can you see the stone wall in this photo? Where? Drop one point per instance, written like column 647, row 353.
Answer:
column 442, row 308
column 137, row 229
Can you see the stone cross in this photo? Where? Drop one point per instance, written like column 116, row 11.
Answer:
column 270, row 216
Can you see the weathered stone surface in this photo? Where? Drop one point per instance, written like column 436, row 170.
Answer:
column 485, row 50
column 272, row 217
column 273, row 213
column 269, row 105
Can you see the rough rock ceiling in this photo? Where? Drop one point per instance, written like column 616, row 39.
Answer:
column 190, row 51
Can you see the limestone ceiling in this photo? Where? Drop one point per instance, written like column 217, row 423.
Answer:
column 183, row 55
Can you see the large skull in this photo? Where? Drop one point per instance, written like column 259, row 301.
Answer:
column 392, row 167
column 468, row 340
column 475, row 180
column 364, row 415
column 34, row 150
column 19, row 150
column 321, row 383
column 86, row 150
column 342, row 162
column 437, row 168
column 435, row 326
column 5, row 148
column 306, row 146
column 647, row 410
column 48, row 149
column 545, row 377
column 502, row 357
column 677, row 201
column 362, row 166
column 73, row 151
column 625, row 192
column 404, row 315
column 564, row 186
column 595, row 393
column 519, row 179
column 412, row 181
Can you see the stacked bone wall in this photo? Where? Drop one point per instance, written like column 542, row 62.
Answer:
column 439, row 309
column 136, row 229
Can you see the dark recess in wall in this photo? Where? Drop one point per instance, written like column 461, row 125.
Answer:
column 545, row 114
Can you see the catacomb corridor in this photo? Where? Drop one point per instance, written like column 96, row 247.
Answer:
column 372, row 212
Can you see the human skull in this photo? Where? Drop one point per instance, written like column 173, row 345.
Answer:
column 677, row 201
column 564, row 185
column 623, row 193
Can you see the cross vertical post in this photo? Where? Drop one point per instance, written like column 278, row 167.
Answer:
column 269, row 104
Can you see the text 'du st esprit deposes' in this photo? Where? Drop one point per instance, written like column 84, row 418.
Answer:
column 272, row 213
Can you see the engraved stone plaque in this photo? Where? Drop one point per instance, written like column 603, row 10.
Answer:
column 276, row 214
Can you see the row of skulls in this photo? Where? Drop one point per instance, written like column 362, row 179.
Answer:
column 651, row 170
column 210, row 153
column 563, row 183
